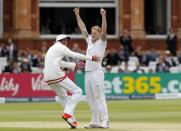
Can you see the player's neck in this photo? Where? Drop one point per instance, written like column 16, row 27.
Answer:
column 94, row 41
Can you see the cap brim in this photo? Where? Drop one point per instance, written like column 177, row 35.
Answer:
column 68, row 38
column 62, row 38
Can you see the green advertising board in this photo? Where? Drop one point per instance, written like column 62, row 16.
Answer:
column 119, row 85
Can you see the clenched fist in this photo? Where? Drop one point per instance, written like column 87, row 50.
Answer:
column 103, row 11
column 76, row 11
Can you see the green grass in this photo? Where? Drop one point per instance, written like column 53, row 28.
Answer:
column 153, row 111
column 30, row 129
column 146, row 111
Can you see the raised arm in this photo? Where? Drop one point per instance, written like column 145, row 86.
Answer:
column 104, row 25
column 81, row 24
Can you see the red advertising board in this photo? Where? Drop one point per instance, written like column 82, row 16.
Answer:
column 25, row 85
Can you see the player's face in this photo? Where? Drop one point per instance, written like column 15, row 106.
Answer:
column 64, row 42
column 95, row 35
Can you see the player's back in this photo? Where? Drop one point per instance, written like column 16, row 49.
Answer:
column 52, row 61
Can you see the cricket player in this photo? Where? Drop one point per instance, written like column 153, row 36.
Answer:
column 94, row 76
column 56, row 78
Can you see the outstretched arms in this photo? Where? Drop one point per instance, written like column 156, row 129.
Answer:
column 104, row 24
column 81, row 24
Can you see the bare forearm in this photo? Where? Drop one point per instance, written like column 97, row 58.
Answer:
column 82, row 26
column 104, row 28
column 104, row 24
column 80, row 23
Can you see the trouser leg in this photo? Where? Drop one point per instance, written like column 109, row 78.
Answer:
column 61, row 93
column 91, row 101
column 73, row 100
column 98, row 90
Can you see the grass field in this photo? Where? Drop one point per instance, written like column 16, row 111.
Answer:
column 125, row 115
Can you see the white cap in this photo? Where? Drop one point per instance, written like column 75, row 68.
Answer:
column 60, row 37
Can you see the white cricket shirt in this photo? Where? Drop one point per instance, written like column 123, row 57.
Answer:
column 98, row 48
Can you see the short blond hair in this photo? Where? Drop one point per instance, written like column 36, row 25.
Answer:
column 96, row 27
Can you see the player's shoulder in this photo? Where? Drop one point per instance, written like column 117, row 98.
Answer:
column 102, row 41
column 58, row 47
column 88, row 38
column 58, row 44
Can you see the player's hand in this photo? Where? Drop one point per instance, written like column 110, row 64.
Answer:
column 76, row 11
column 80, row 65
column 102, row 11
column 95, row 58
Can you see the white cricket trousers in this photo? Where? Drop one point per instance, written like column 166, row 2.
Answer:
column 69, row 102
column 94, row 88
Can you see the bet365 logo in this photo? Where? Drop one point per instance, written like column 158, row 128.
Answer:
column 129, row 85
